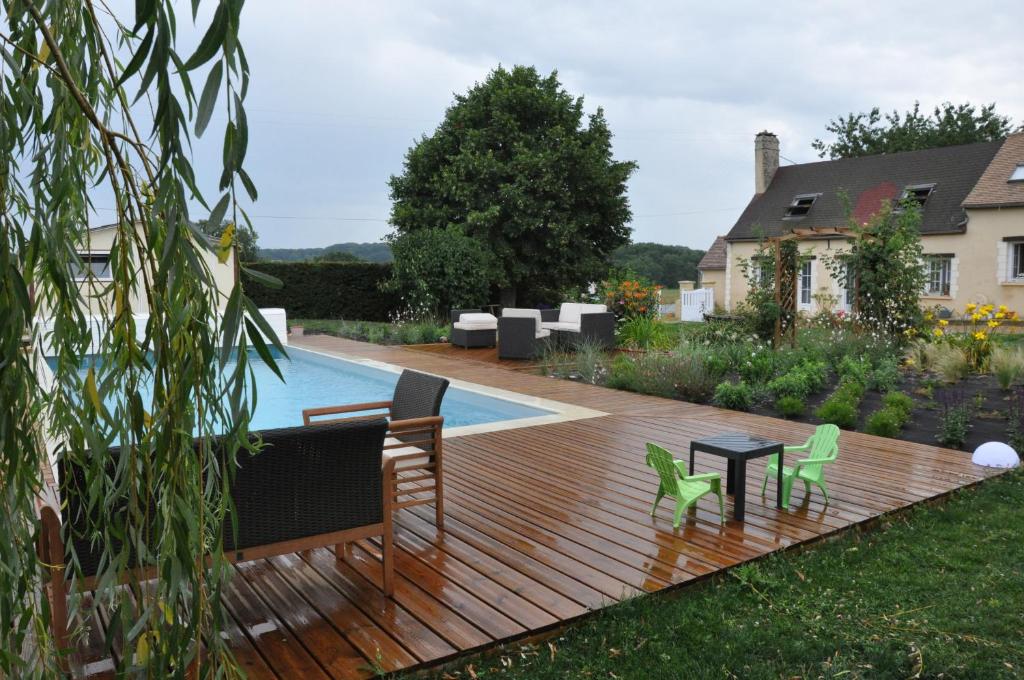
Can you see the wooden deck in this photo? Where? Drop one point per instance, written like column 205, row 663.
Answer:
column 544, row 524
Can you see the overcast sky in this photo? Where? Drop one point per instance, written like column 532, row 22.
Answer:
column 341, row 90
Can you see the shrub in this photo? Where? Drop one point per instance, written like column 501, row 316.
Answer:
column 841, row 408
column 1007, row 364
column 758, row 366
column 840, row 412
column 645, row 332
column 590, row 362
column 885, row 422
column 327, row 290
column 801, row 381
column 735, row 396
column 409, row 333
column 631, row 297
column 900, row 402
column 855, row 369
column 955, row 423
column 951, row 363
column 680, row 377
column 885, row 376
column 790, row 407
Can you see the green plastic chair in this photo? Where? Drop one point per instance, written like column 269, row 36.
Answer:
column 823, row 447
column 675, row 483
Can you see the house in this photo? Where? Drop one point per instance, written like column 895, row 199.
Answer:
column 96, row 296
column 972, row 229
column 711, row 271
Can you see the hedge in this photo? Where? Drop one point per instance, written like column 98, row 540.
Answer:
column 327, row 290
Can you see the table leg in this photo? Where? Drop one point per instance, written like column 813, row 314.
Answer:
column 730, row 475
column 739, row 502
column 778, row 485
column 691, row 458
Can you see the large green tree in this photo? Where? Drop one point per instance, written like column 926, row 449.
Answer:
column 515, row 166
column 867, row 134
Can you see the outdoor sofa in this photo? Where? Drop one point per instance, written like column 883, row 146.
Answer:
column 521, row 334
column 309, row 487
column 473, row 328
column 575, row 322
column 413, row 445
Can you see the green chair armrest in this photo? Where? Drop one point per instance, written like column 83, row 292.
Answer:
column 814, row 461
column 795, row 448
column 703, row 477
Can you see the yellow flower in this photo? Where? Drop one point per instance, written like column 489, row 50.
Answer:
column 971, row 307
column 992, row 323
column 927, row 316
column 987, row 309
column 980, row 335
column 1000, row 315
column 1003, row 309
column 937, row 332
column 943, row 322
column 909, row 362
column 976, row 317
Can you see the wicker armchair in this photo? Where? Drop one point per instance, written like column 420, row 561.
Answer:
column 414, row 445
column 310, row 487
column 468, row 338
column 520, row 335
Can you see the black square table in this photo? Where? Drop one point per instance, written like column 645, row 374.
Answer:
column 738, row 448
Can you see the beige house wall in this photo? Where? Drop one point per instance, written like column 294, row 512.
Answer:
column 714, row 279
column 95, row 294
column 979, row 269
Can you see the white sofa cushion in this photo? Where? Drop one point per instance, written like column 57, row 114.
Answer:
column 422, row 459
column 542, row 333
column 519, row 313
column 570, row 312
column 477, row 321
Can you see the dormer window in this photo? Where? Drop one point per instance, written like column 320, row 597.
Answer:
column 915, row 192
column 800, row 206
column 1018, row 173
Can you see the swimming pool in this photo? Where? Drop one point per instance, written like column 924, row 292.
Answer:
column 312, row 380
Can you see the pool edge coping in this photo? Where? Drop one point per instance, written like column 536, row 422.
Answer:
column 562, row 412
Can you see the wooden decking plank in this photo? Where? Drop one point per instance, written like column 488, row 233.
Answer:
column 281, row 650
column 409, row 631
column 547, row 522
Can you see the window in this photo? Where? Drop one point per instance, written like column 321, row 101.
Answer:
column 939, row 269
column 1018, row 174
column 763, row 274
column 1017, row 261
column 805, row 283
column 849, row 286
column 915, row 192
column 800, row 206
column 93, row 264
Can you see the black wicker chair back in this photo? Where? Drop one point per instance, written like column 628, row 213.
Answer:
column 417, row 395
column 307, row 481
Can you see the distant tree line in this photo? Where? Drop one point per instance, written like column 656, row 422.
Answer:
column 662, row 264
column 339, row 252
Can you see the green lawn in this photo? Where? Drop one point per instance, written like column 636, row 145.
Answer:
column 939, row 593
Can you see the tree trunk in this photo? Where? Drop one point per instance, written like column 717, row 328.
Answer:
column 508, row 296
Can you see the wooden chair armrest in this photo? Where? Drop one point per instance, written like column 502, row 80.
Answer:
column 309, row 413
column 428, row 422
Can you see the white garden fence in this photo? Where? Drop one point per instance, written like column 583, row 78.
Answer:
column 694, row 304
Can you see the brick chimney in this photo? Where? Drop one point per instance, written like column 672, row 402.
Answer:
column 766, row 160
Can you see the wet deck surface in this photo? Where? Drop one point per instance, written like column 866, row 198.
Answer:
column 544, row 524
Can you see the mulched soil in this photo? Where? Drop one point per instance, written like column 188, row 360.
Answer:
column 990, row 421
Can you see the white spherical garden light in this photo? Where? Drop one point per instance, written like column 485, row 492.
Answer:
column 995, row 454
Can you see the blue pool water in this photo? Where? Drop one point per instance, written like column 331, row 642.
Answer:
column 312, row 380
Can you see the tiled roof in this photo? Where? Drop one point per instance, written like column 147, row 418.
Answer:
column 715, row 257
column 865, row 182
column 993, row 190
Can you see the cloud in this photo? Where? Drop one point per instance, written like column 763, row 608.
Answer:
column 341, row 90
